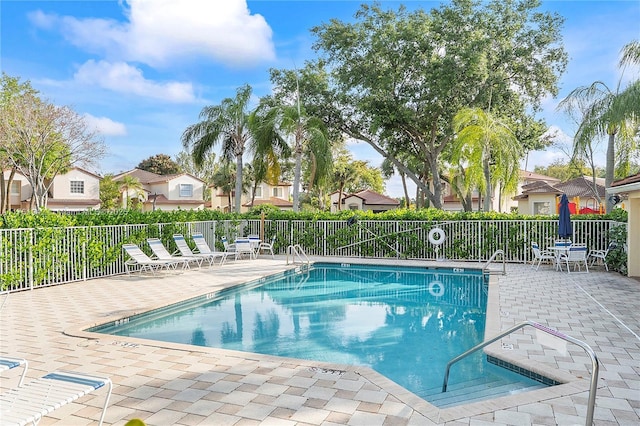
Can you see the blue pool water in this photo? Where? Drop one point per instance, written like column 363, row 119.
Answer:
column 406, row 323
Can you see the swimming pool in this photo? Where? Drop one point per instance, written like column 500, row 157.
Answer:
column 405, row 323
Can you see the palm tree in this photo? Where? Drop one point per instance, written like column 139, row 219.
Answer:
column 488, row 147
column 129, row 184
column 222, row 178
column 309, row 139
column 607, row 112
column 227, row 123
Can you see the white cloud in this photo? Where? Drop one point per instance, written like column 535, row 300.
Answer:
column 161, row 32
column 124, row 78
column 105, row 126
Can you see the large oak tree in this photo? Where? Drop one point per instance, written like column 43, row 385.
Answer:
column 396, row 79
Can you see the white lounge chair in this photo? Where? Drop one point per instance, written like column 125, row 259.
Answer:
column 203, row 247
column 27, row 404
column 160, row 252
column 139, row 258
column 600, row 256
column 576, row 255
column 541, row 255
column 185, row 251
column 267, row 246
column 8, row 363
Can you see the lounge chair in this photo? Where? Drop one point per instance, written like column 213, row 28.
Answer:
column 576, row 255
column 203, row 247
column 27, row 404
column 139, row 258
column 600, row 256
column 267, row 246
column 541, row 255
column 185, row 251
column 7, row 363
column 160, row 252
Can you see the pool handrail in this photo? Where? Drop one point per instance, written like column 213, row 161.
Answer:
column 593, row 388
column 493, row 257
column 297, row 250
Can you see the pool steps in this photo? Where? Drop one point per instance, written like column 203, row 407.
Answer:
column 477, row 390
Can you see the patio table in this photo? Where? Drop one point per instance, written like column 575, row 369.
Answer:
column 559, row 250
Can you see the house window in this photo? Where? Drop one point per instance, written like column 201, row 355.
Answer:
column 353, row 207
column 15, row 188
column 541, row 208
column 186, row 190
column 258, row 192
column 76, row 187
column 277, row 192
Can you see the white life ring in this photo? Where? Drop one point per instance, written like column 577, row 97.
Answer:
column 441, row 236
column 436, row 288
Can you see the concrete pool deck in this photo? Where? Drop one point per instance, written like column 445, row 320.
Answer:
column 172, row 384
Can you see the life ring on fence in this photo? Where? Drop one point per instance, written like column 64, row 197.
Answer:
column 436, row 241
column 436, row 288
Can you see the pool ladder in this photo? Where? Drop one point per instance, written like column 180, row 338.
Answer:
column 593, row 388
column 493, row 257
column 297, row 251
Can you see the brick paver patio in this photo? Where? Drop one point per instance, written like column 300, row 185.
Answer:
column 172, row 384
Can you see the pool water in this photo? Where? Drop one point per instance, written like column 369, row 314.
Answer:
column 405, row 323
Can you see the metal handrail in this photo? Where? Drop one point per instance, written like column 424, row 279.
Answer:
column 297, row 250
column 594, row 360
column 492, row 258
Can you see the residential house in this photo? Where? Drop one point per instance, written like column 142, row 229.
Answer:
column 500, row 202
column 540, row 197
column 366, row 200
column 76, row 190
column 164, row 192
column 629, row 189
column 277, row 195
column 20, row 190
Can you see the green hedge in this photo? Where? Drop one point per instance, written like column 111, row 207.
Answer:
column 14, row 220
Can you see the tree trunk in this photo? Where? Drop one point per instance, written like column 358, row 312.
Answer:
column 238, row 200
column 296, row 180
column 610, row 165
column 407, row 201
column 5, row 193
column 488, row 190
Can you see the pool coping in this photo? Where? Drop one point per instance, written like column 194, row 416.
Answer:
column 571, row 385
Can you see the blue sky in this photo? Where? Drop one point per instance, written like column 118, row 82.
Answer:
column 141, row 70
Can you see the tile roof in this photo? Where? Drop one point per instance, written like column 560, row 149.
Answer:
column 582, row 187
column 625, row 181
column 278, row 202
column 161, row 199
column 146, row 177
column 372, row 197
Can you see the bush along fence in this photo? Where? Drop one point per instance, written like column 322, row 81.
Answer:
column 44, row 256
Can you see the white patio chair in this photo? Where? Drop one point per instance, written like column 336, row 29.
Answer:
column 160, row 252
column 8, row 363
column 243, row 246
column 541, row 255
column 203, row 248
column 139, row 258
column 576, row 255
column 267, row 246
column 185, row 250
column 600, row 256
column 229, row 248
column 27, row 404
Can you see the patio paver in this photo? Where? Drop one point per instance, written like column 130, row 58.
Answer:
column 163, row 383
